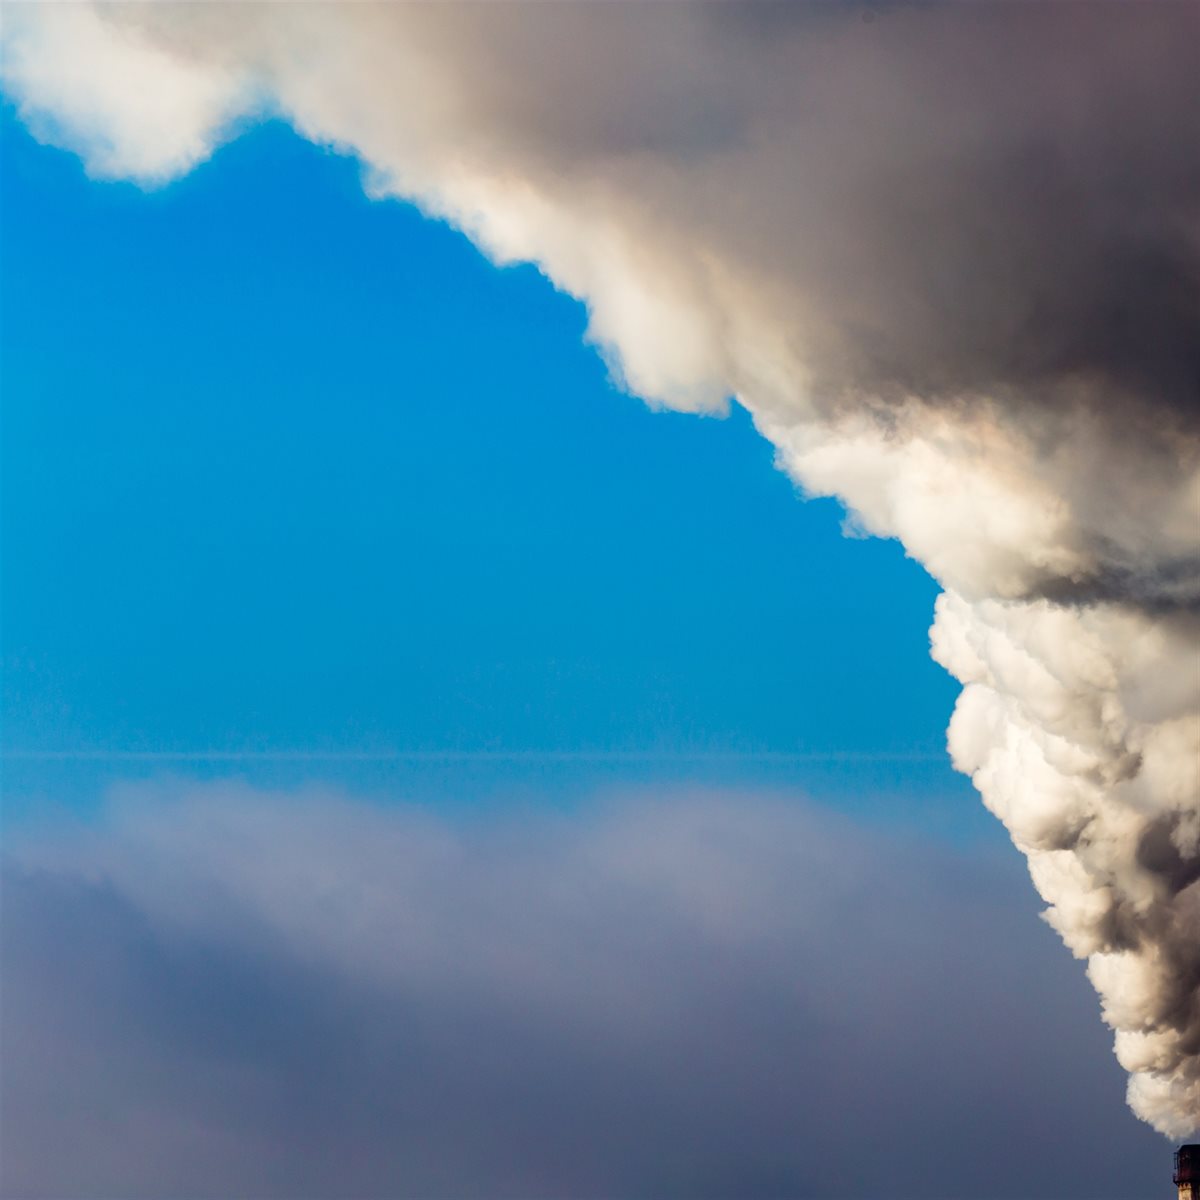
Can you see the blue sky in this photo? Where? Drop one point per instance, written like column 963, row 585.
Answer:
column 287, row 470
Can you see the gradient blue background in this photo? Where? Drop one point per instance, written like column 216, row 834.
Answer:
column 286, row 470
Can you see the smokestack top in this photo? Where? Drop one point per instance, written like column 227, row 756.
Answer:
column 1187, row 1164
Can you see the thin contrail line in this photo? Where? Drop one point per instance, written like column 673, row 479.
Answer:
column 466, row 756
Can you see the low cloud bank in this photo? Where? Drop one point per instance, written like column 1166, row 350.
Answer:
column 212, row 990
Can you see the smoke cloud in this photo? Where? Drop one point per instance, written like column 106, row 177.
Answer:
column 948, row 258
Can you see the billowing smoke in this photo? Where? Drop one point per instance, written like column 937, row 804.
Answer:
column 949, row 259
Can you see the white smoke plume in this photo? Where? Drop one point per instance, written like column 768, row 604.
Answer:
column 947, row 256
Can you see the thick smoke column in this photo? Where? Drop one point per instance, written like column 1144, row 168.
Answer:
column 949, row 259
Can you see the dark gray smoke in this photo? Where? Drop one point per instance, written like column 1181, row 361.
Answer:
column 216, row 991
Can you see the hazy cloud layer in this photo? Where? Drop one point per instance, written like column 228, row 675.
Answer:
column 948, row 258
column 217, row 991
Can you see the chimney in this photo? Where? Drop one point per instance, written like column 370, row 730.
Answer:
column 1187, row 1172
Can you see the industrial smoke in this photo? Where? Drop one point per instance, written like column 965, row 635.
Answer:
column 949, row 260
